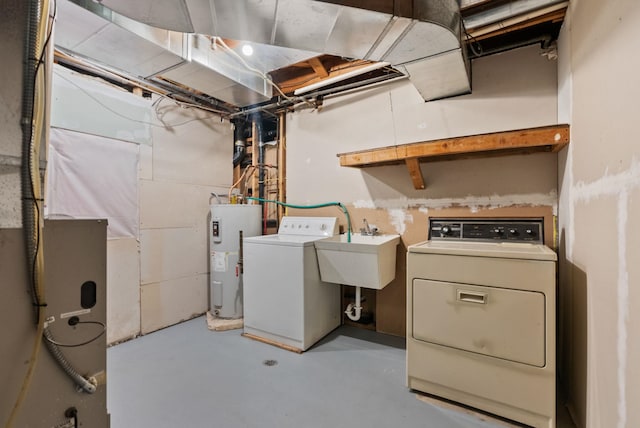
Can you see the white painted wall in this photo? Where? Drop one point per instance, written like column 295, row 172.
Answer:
column 599, row 194
column 510, row 91
column 513, row 90
column 99, row 109
column 159, row 277
column 190, row 158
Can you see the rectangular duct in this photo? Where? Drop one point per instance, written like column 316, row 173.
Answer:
column 148, row 52
column 443, row 75
column 286, row 32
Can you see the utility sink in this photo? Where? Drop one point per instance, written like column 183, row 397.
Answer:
column 366, row 261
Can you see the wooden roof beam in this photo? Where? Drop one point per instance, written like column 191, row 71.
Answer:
column 318, row 67
column 413, row 164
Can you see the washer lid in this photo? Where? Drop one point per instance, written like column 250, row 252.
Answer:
column 509, row 250
column 280, row 239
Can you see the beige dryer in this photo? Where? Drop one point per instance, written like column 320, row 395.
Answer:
column 481, row 309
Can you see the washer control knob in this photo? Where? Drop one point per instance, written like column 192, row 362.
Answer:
column 323, row 226
column 446, row 230
column 530, row 232
column 497, row 231
column 513, row 231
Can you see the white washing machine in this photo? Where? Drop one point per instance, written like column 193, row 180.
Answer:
column 285, row 302
column 481, row 317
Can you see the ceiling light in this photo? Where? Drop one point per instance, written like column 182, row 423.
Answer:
column 247, row 50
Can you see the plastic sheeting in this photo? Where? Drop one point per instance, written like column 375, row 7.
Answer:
column 93, row 177
column 83, row 104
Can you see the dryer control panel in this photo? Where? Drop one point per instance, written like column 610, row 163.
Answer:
column 487, row 230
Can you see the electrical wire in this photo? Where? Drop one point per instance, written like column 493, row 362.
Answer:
column 87, row 385
column 347, row 66
column 156, row 107
column 34, row 177
column 76, row 345
column 476, row 51
column 144, row 122
column 44, row 22
column 254, row 70
column 184, row 104
column 250, row 170
column 69, row 60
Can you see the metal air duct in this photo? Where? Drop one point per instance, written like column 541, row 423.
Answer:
column 89, row 30
column 423, row 37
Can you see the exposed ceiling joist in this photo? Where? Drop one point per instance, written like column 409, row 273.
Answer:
column 318, row 67
column 553, row 13
column 393, row 31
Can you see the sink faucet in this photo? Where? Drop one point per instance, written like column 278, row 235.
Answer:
column 368, row 230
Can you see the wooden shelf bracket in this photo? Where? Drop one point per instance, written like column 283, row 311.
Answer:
column 413, row 164
column 522, row 141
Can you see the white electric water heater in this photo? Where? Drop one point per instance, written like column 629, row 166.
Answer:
column 228, row 225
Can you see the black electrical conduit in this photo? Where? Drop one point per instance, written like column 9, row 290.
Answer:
column 28, row 94
column 30, row 64
column 283, row 105
column 34, row 240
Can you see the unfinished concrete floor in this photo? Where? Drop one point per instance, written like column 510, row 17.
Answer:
column 187, row 376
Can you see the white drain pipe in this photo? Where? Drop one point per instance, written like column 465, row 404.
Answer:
column 354, row 310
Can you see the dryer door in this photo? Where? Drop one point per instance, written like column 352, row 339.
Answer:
column 497, row 322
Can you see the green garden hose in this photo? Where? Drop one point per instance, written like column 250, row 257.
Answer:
column 327, row 204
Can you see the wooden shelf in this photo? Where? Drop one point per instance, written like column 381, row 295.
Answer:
column 522, row 141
